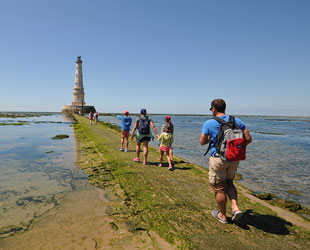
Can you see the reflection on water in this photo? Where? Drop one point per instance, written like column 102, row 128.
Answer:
column 35, row 171
column 278, row 159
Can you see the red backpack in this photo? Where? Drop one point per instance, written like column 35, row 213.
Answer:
column 230, row 141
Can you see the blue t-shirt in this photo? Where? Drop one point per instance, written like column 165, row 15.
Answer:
column 211, row 128
column 126, row 122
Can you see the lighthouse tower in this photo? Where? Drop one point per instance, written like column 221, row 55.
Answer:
column 78, row 103
column 78, row 91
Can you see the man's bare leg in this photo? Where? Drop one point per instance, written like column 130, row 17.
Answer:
column 233, row 195
column 221, row 201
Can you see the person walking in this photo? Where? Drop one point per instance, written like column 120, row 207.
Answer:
column 96, row 117
column 222, row 173
column 125, row 127
column 90, row 117
column 166, row 139
column 143, row 134
column 168, row 124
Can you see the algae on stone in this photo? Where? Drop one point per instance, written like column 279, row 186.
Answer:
column 60, row 137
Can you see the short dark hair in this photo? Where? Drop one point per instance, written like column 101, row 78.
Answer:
column 219, row 105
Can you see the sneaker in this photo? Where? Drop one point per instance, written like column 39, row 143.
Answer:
column 170, row 168
column 159, row 165
column 144, row 163
column 121, row 149
column 136, row 159
column 126, row 150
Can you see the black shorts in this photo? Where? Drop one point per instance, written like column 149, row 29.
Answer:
column 145, row 139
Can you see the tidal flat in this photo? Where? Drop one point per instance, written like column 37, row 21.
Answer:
column 46, row 201
column 32, row 179
column 131, row 206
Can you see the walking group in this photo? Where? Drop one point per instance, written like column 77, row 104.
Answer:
column 93, row 117
column 142, row 133
column 227, row 137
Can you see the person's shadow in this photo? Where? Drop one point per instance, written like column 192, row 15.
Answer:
column 166, row 165
column 131, row 150
column 267, row 223
column 181, row 168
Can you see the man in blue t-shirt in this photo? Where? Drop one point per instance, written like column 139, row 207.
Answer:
column 125, row 127
column 222, row 173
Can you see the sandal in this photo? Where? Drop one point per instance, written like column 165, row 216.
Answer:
column 236, row 216
column 215, row 215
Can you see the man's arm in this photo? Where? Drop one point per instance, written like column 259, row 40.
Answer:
column 248, row 137
column 204, row 139
column 153, row 127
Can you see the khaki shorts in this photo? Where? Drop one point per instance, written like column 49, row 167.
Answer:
column 220, row 173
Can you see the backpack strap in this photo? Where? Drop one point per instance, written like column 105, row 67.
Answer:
column 233, row 122
column 231, row 119
column 207, row 149
column 220, row 121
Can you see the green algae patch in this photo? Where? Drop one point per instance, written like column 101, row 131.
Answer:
column 294, row 192
column 238, row 177
column 25, row 114
column 265, row 196
column 13, row 123
column 285, row 204
column 268, row 133
column 38, row 122
column 114, row 226
column 60, row 137
column 176, row 205
column 290, row 205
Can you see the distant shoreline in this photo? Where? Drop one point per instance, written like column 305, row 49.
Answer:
column 41, row 113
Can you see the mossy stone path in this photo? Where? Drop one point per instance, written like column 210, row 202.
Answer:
column 176, row 205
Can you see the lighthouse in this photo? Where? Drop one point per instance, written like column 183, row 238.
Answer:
column 78, row 91
column 78, row 102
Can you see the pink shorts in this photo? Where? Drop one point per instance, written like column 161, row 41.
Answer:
column 165, row 149
column 125, row 133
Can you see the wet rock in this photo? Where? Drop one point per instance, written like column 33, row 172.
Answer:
column 265, row 196
column 60, row 137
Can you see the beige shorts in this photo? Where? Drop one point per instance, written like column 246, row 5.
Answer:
column 221, row 172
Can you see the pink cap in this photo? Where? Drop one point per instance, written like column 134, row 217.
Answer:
column 167, row 118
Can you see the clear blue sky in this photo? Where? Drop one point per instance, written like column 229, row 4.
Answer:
column 168, row 56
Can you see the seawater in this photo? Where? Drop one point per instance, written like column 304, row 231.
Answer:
column 278, row 159
column 35, row 170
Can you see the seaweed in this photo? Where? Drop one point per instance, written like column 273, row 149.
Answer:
column 14, row 123
column 265, row 196
column 60, row 137
column 267, row 133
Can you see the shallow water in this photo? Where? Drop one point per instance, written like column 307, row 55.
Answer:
column 35, row 171
column 278, row 159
